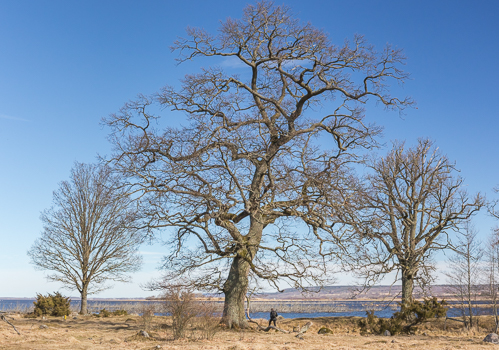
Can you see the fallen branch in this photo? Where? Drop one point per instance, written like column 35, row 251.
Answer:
column 260, row 328
column 304, row 329
column 272, row 327
column 4, row 317
column 454, row 319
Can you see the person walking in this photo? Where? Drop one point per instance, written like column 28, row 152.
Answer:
column 273, row 317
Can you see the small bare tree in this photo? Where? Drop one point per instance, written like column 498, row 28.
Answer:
column 208, row 318
column 492, row 258
column 255, row 177
column 90, row 235
column 147, row 311
column 465, row 273
column 492, row 274
column 413, row 200
column 180, row 303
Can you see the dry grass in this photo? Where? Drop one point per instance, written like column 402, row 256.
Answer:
column 121, row 333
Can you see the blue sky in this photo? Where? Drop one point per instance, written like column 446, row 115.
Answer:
column 64, row 65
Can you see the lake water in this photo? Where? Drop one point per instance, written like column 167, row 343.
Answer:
column 338, row 309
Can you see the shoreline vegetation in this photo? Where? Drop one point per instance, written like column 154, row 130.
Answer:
column 294, row 307
column 328, row 302
column 258, row 306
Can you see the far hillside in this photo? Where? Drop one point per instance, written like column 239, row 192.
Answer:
column 353, row 293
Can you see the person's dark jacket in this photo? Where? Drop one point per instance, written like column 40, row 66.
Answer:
column 273, row 314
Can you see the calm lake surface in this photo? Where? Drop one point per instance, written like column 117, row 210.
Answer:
column 337, row 309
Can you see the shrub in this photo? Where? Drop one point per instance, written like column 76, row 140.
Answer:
column 52, row 305
column 419, row 312
column 147, row 314
column 404, row 320
column 181, row 306
column 120, row 313
column 208, row 319
column 104, row 313
column 325, row 330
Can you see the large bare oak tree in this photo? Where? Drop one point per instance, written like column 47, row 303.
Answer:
column 414, row 200
column 253, row 181
column 90, row 235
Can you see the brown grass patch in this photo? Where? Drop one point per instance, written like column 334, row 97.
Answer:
column 121, row 333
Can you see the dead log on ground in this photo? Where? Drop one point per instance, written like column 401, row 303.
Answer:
column 4, row 317
column 304, row 329
column 260, row 328
column 272, row 327
column 266, row 329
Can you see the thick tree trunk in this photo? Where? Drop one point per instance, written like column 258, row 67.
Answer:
column 84, row 306
column 407, row 285
column 235, row 289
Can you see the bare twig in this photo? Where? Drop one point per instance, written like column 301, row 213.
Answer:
column 4, row 317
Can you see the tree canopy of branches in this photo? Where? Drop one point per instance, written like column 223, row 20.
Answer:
column 258, row 172
column 413, row 201
column 90, row 234
column 494, row 211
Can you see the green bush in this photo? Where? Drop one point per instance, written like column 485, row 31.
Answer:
column 120, row 313
column 325, row 330
column 104, row 313
column 403, row 321
column 52, row 305
column 374, row 325
column 419, row 312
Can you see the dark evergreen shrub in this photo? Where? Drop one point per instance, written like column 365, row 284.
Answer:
column 104, row 313
column 52, row 305
column 120, row 313
column 403, row 321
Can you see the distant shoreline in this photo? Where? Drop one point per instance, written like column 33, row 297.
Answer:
column 326, row 294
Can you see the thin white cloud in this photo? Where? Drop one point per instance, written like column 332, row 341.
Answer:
column 4, row 116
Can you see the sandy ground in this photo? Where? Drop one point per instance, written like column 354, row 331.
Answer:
column 121, row 333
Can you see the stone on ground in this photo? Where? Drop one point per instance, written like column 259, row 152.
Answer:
column 491, row 338
column 144, row 334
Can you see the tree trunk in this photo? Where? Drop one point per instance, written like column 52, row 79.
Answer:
column 470, row 307
column 235, row 291
column 407, row 286
column 84, row 306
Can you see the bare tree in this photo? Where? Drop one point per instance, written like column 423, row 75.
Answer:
column 492, row 259
column 465, row 272
column 413, row 201
column 493, row 208
column 180, row 302
column 492, row 273
column 89, row 235
column 257, row 175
